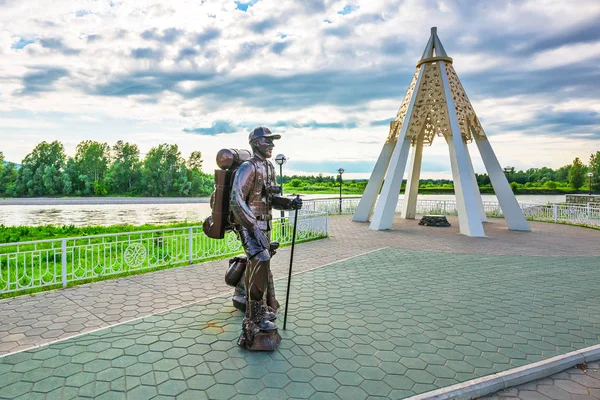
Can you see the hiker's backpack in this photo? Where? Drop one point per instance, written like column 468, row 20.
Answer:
column 229, row 161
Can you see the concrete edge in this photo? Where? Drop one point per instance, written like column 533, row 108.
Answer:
column 513, row 377
column 177, row 307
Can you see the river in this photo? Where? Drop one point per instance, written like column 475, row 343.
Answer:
column 139, row 211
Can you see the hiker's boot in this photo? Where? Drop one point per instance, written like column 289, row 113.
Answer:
column 257, row 315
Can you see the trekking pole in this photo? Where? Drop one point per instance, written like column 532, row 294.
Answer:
column 287, row 294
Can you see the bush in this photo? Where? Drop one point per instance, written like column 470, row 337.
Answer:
column 514, row 186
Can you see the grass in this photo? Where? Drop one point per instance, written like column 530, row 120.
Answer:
column 91, row 259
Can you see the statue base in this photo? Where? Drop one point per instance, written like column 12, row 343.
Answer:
column 265, row 341
column 257, row 340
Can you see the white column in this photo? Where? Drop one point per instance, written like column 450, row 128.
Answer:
column 367, row 201
column 479, row 199
column 469, row 219
column 386, row 206
column 512, row 211
column 409, row 205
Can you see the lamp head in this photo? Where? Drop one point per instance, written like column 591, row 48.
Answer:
column 280, row 159
column 341, row 170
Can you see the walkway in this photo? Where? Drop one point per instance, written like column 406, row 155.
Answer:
column 393, row 322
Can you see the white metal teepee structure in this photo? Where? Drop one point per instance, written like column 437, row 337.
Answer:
column 436, row 104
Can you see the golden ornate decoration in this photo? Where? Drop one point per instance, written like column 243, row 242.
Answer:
column 430, row 113
column 467, row 119
column 396, row 124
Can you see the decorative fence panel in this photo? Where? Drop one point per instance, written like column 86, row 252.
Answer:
column 29, row 265
column 588, row 215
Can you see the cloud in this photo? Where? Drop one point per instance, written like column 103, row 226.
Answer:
column 217, row 127
column 58, row 45
column 244, row 5
column 279, row 47
column 146, row 53
column 21, row 43
column 348, row 9
column 41, row 79
column 208, row 35
column 93, row 38
column 168, row 36
column 317, row 125
column 262, row 26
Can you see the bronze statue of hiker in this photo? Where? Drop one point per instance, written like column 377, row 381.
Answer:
column 245, row 194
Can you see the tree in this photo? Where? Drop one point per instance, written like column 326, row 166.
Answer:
column 576, row 171
column 8, row 177
column 124, row 173
column 164, row 172
column 594, row 168
column 562, row 174
column 91, row 161
column 195, row 161
column 201, row 184
column 41, row 170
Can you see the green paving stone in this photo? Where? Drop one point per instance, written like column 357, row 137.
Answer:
column 48, row 384
column 371, row 373
column 112, row 395
column 16, row 389
column 278, row 366
column 299, row 389
column 325, row 384
column 249, row 386
column 172, row 387
column 271, row 394
column 420, row 376
column 67, row 370
column 376, row 388
column 228, row 377
column 346, row 365
column 110, row 375
column 276, row 380
column 45, row 354
column 201, row 382
column 350, row 392
column 439, row 322
column 440, row 371
column 192, row 395
column 300, row 374
column 26, row 366
column 118, row 384
column 327, row 370
column 348, row 378
column 110, row 354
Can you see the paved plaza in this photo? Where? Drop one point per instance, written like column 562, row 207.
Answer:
column 372, row 314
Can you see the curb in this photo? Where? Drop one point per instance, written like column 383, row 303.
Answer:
column 513, row 377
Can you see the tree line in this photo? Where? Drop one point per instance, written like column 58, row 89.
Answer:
column 98, row 169
column 571, row 177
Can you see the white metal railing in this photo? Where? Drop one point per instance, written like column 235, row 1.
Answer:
column 588, row 215
column 34, row 264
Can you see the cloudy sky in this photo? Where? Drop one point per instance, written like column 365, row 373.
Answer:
column 327, row 75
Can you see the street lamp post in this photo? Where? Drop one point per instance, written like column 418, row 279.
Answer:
column 590, row 184
column 280, row 159
column 341, row 171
